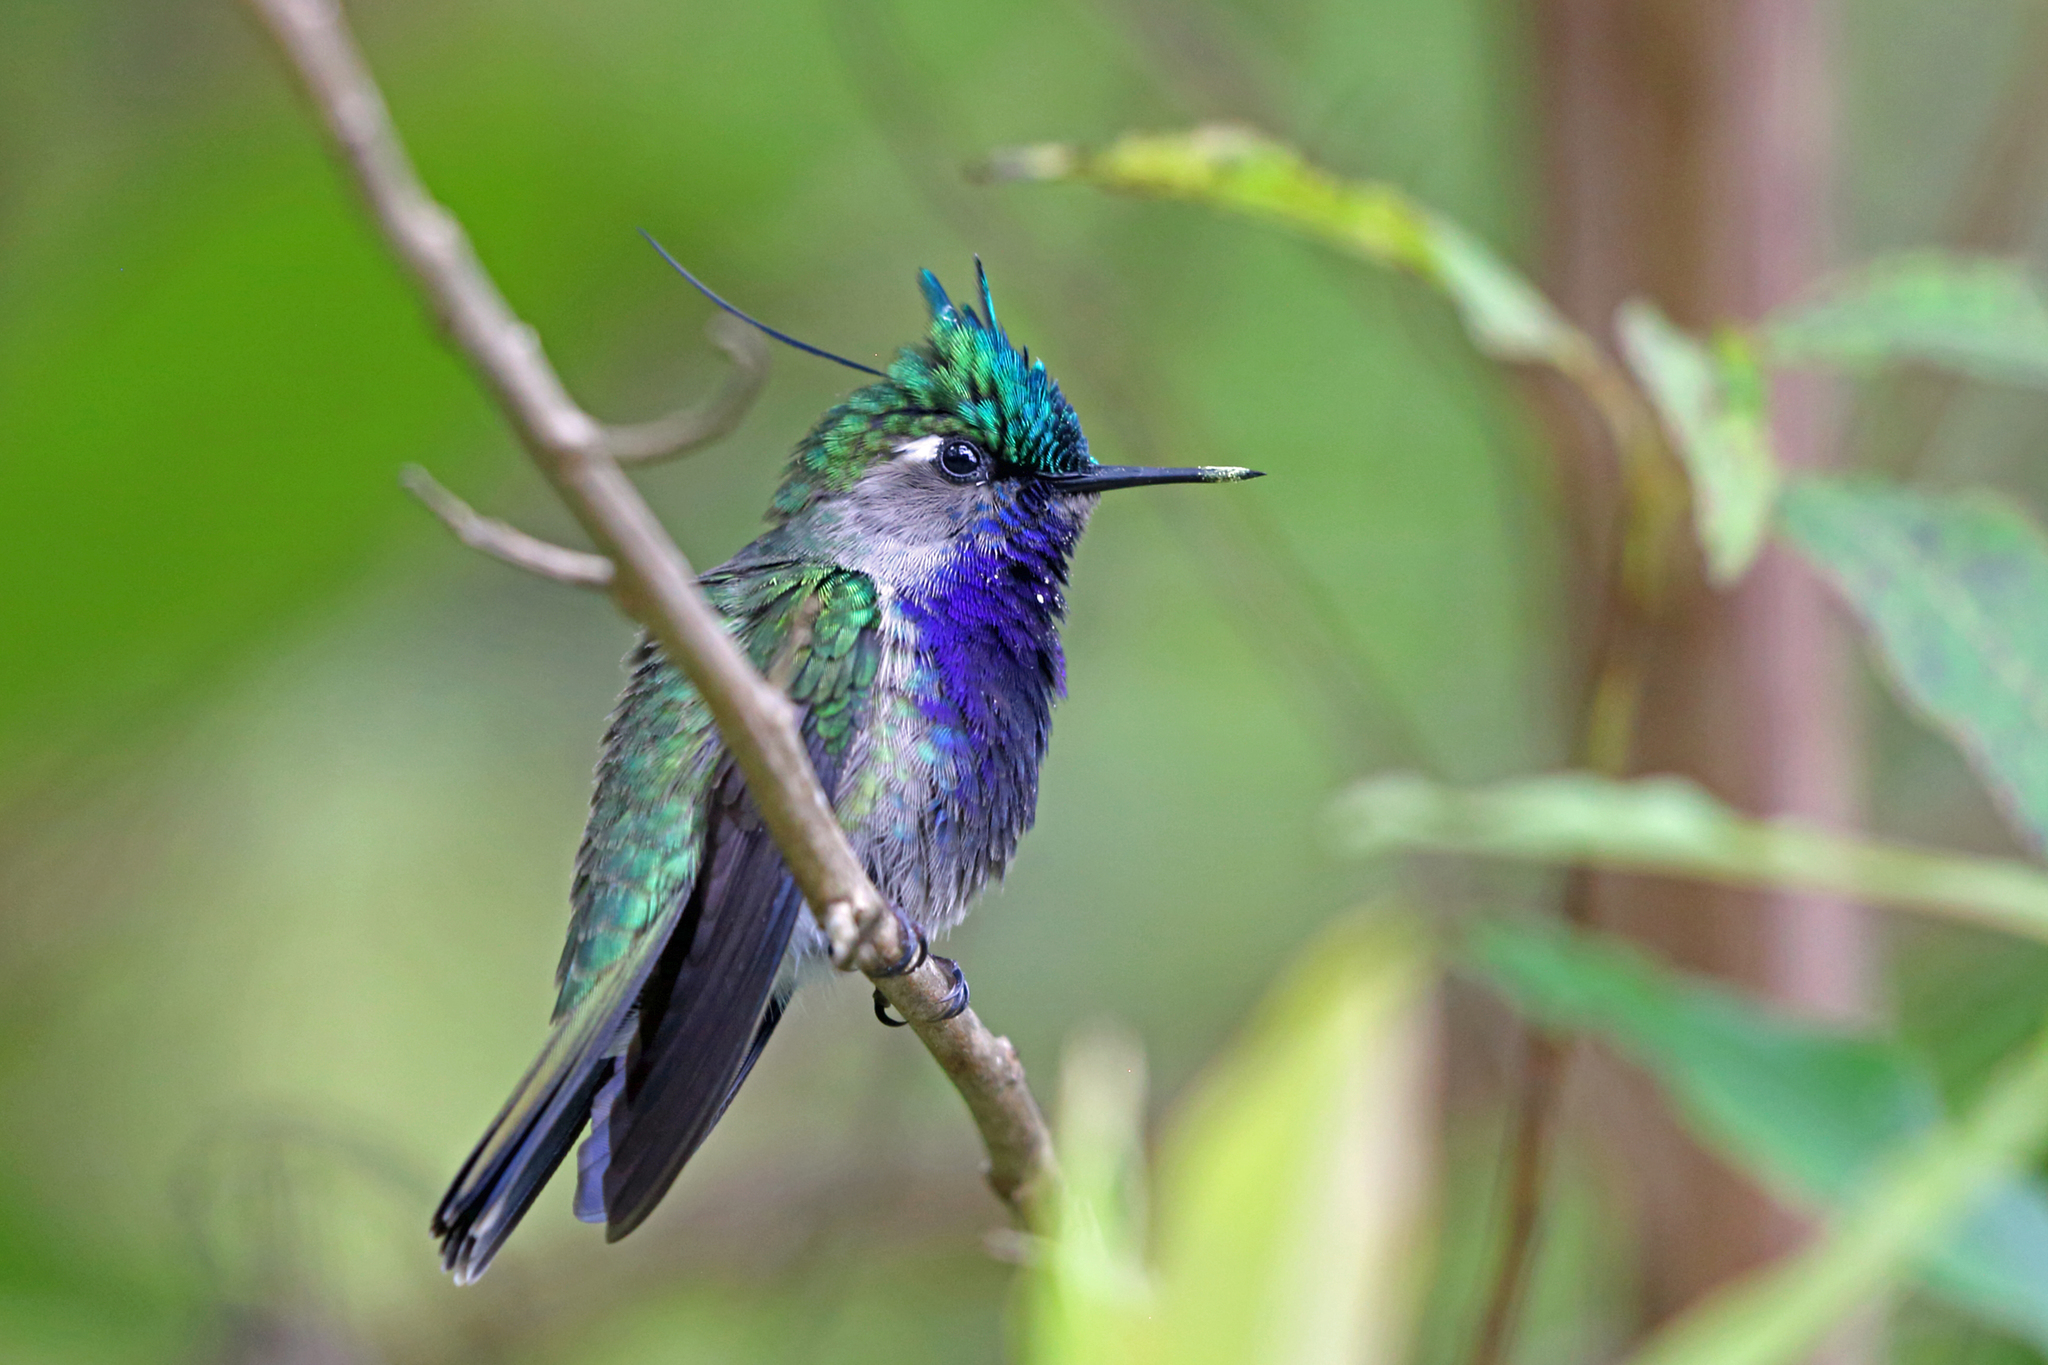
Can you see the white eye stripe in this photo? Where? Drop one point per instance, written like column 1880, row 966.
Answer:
column 924, row 449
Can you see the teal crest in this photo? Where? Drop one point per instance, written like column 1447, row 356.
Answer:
column 965, row 378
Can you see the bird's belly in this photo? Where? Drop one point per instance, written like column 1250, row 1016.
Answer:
column 946, row 781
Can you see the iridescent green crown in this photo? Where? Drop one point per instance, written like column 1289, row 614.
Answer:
column 963, row 379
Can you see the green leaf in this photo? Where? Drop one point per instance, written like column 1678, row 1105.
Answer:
column 1954, row 593
column 1289, row 1183
column 1812, row 1111
column 1982, row 316
column 1290, row 1180
column 1669, row 825
column 1506, row 316
column 1089, row 1296
column 1242, row 171
column 1776, row 1316
column 1712, row 407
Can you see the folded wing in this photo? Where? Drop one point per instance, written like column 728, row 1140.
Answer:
column 683, row 914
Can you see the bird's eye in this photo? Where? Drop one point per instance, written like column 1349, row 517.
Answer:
column 961, row 461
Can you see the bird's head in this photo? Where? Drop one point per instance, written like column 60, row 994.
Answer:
column 965, row 436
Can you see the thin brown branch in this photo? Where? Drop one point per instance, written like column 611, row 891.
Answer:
column 1899, row 422
column 503, row 541
column 1531, row 1136
column 2000, row 202
column 655, row 585
column 692, row 428
column 1544, row 1058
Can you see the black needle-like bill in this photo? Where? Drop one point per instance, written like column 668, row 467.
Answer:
column 1103, row 477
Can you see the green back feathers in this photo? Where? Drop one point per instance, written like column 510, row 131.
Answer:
column 964, row 378
column 810, row 627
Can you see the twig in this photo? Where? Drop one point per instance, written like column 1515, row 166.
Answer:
column 687, row 429
column 1900, row 420
column 1531, row 1135
column 500, row 540
column 654, row 584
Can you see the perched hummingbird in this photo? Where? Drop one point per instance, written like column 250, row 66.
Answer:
column 908, row 597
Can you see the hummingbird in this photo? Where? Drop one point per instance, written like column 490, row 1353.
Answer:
column 907, row 597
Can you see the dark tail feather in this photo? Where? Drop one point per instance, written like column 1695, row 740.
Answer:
column 776, row 1007
column 594, row 1157
column 532, row 1133
column 704, row 1015
column 491, row 1194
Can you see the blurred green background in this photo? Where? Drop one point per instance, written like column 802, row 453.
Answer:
column 290, row 783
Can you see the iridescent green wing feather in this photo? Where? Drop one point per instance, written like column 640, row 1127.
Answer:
column 661, row 754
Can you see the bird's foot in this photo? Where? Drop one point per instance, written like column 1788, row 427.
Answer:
column 917, row 949
column 956, row 994
column 916, row 946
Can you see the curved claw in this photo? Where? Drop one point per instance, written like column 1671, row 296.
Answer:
column 957, row 996
column 882, row 1013
column 953, row 1006
column 914, row 955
